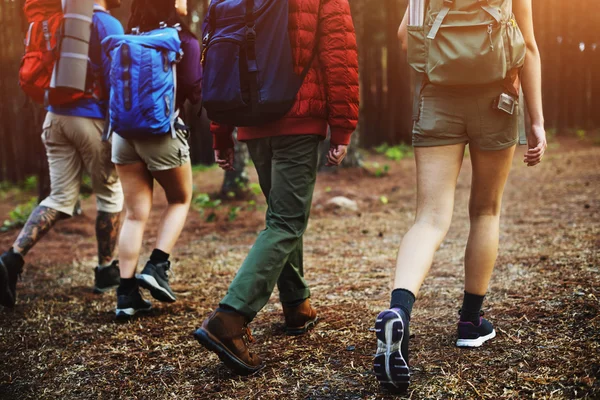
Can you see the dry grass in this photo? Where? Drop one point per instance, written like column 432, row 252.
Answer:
column 61, row 341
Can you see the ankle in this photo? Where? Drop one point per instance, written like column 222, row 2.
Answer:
column 403, row 299
column 127, row 286
column 158, row 256
column 471, row 308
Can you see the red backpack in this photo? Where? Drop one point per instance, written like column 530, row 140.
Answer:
column 42, row 45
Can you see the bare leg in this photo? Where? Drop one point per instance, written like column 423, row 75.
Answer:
column 177, row 183
column 41, row 220
column 107, row 230
column 490, row 172
column 137, row 189
column 437, row 172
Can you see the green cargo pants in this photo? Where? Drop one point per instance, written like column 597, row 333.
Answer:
column 287, row 171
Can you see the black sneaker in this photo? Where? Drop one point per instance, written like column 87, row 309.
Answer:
column 471, row 335
column 11, row 267
column 106, row 278
column 391, row 361
column 155, row 278
column 130, row 304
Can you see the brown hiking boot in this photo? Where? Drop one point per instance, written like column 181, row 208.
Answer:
column 227, row 334
column 299, row 319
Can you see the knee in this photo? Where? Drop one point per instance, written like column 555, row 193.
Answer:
column 180, row 197
column 138, row 213
column 439, row 224
column 485, row 209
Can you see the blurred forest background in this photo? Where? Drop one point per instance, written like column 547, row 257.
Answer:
column 568, row 33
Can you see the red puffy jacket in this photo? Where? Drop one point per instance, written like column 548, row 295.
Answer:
column 329, row 94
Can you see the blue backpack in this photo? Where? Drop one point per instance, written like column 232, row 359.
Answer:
column 248, row 68
column 143, row 82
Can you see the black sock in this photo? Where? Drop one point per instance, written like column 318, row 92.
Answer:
column 159, row 256
column 404, row 299
column 471, row 308
column 127, row 286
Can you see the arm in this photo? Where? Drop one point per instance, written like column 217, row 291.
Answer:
column 189, row 80
column 338, row 57
column 532, row 83
column 403, row 32
column 106, row 27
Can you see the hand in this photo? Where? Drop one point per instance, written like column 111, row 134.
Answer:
column 224, row 158
column 337, row 153
column 536, row 142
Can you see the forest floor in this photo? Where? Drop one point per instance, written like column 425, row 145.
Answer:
column 61, row 340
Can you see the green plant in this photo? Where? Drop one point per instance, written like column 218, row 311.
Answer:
column 233, row 213
column 255, row 189
column 381, row 171
column 18, row 216
column 395, row 153
column 580, row 133
column 203, row 202
column 203, row 168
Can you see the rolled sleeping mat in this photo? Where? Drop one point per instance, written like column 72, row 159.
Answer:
column 71, row 69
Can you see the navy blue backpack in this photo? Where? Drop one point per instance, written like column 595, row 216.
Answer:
column 248, row 77
column 143, row 82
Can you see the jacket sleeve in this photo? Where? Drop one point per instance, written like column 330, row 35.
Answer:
column 222, row 136
column 189, row 82
column 338, row 56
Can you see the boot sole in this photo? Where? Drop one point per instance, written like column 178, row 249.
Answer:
column 124, row 314
column 475, row 342
column 229, row 359
column 302, row 330
column 6, row 298
column 390, row 367
column 159, row 293
column 99, row 290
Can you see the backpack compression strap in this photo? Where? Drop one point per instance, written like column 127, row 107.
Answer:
column 437, row 24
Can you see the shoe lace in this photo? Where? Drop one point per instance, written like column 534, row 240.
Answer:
column 169, row 272
column 247, row 336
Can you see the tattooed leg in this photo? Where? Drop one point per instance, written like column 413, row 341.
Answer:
column 107, row 231
column 39, row 223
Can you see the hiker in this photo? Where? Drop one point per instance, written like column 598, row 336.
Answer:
column 72, row 136
column 469, row 100
column 142, row 155
column 297, row 106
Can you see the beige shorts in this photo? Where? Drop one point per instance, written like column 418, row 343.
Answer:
column 72, row 145
column 159, row 153
column 449, row 115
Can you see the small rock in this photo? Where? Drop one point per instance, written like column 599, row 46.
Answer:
column 344, row 203
column 350, row 348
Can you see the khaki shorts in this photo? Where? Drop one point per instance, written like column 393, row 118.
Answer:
column 72, row 145
column 159, row 153
column 449, row 115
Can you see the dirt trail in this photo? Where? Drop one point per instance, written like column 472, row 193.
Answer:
column 61, row 342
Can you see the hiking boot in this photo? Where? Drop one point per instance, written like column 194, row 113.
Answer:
column 130, row 304
column 299, row 319
column 391, row 361
column 106, row 278
column 155, row 278
column 11, row 267
column 227, row 334
column 471, row 335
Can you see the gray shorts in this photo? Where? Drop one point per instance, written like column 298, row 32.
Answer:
column 159, row 153
column 74, row 144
